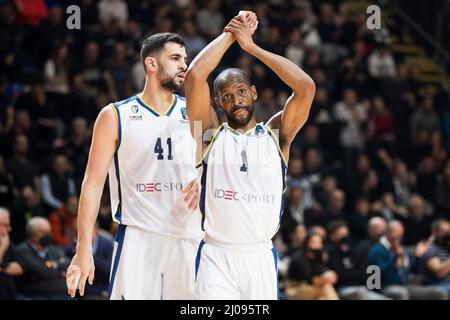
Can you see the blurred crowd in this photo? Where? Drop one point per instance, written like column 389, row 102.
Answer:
column 368, row 178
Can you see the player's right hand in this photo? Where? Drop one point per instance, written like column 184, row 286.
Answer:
column 192, row 194
column 81, row 269
column 241, row 31
column 250, row 18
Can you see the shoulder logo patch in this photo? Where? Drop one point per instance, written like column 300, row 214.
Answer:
column 135, row 116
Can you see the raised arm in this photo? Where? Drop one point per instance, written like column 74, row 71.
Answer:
column 196, row 86
column 198, row 100
column 296, row 109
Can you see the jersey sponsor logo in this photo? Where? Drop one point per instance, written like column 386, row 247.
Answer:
column 231, row 195
column 183, row 113
column 159, row 187
column 135, row 116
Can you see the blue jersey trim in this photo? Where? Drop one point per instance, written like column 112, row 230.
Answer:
column 198, row 257
column 119, row 239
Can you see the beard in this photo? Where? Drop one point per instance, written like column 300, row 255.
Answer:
column 169, row 82
column 234, row 121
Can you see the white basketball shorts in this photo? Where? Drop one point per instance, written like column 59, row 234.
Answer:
column 149, row 266
column 236, row 273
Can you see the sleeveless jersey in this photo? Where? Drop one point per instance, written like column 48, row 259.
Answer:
column 154, row 161
column 243, row 180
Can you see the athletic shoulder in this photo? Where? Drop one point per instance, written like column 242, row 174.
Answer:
column 107, row 122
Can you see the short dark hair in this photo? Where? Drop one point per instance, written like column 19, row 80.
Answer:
column 156, row 42
column 227, row 73
column 334, row 225
column 436, row 224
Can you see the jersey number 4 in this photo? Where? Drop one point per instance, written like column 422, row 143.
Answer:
column 160, row 151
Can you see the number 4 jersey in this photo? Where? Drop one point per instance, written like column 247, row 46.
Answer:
column 154, row 161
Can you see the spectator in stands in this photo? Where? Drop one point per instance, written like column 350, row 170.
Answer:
column 56, row 71
column 359, row 219
column 313, row 174
column 309, row 278
column 359, row 171
column 295, row 237
column 63, row 222
column 294, row 50
column 396, row 264
column 23, row 171
column 381, row 122
column 77, row 148
column 6, row 107
column 427, row 178
column 442, row 101
column 310, row 138
column 330, row 30
column 402, row 183
column 387, row 207
column 318, row 229
column 9, row 268
column 381, row 63
column 26, row 206
column 439, row 149
column 294, row 211
column 119, row 69
column 55, row 30
column 273, row 41
column 418, row 223
column 44, row 264
column 44, row 111
column 6, row 187
column 102, row 251
column 57, row 184
column 295, row 169
column 266, row 105
column 443, row 192
column 210, row 20
column 113, row 10
column 194, row 42
column 89, row 77
column 351, row 115
column 425, row 118
column 23, row 124
column 376, row 228
column 322, row 192
column 436, row 261
column 336, row 207
column 370, row 187
column 351, row 283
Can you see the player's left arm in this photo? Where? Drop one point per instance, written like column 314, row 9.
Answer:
column 296, row 110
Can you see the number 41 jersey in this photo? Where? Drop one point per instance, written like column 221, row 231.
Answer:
column 154, row 161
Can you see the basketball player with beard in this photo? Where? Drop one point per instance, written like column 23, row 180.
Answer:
column 143, row 143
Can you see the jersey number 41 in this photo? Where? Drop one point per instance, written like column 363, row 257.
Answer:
column 160, row 151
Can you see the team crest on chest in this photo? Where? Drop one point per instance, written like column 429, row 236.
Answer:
column 183, row 113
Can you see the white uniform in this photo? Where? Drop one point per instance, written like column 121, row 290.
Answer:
column 243, row 180
column 154, row 161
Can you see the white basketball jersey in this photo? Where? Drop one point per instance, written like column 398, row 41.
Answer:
column 243, row 180
column 154, row 161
